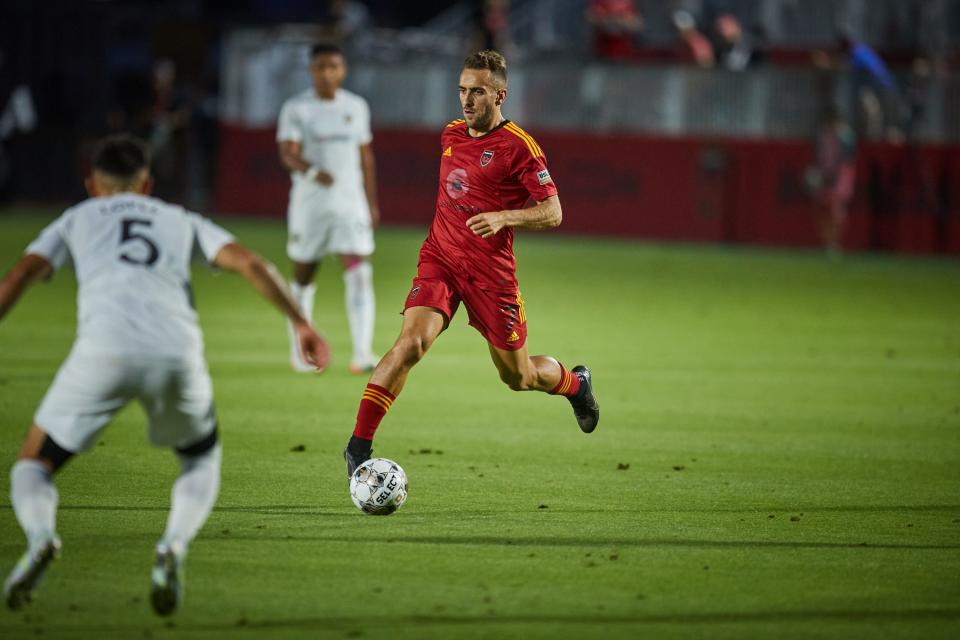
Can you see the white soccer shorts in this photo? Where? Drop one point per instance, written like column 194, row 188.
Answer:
column 318, row 226
column 89, row 390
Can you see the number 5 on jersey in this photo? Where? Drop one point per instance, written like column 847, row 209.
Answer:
column 129, row 234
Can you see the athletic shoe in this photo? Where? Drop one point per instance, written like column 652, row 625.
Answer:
column 585, row 406
column 358, row 367
column 167, row 578
column 302, row 367
column 355, row 460
column 28, row 572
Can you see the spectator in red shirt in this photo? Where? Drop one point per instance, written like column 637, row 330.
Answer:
column 615, row 26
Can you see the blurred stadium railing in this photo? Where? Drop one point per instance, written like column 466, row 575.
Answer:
column 262, row 67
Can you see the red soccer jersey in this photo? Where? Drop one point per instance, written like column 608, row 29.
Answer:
column 498, row 171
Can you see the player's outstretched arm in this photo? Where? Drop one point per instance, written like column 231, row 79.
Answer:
column 267, row 280
column 29, row 269
column 546, row 214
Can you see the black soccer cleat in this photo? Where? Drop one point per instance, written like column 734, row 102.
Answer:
column 585, row 406
column 354, row 460
column 26, row 576
column 167, row 581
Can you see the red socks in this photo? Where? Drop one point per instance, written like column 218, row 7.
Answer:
column 374, row 405
column 569, row 384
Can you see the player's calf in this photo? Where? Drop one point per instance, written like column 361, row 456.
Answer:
column 518, row 380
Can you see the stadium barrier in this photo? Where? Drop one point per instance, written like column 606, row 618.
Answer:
column 714, row 190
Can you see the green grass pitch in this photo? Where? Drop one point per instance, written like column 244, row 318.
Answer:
column 778, row 457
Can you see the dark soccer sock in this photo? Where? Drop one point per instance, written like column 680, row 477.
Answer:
column 568, row 386
column 374, row 405
column 359, row 446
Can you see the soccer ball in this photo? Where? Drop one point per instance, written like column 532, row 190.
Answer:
column 378, row 487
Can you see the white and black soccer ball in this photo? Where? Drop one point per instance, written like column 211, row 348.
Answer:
column 378, row 487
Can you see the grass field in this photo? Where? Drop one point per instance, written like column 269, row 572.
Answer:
column 778, row 457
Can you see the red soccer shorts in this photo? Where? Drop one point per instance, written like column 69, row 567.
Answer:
column 498, row 316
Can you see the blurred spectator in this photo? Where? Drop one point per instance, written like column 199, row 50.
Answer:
column 17, row 116
column 346, row 22
column 715, row 36
column 917, row 92
column 491, row 26
column 171, row 117
column 875, row 95
column 735, row 49
column 698, row 44
column 616, row 24
column 925, row 27
column 833, row 177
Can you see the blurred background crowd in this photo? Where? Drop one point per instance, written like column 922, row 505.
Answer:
column 196, row 77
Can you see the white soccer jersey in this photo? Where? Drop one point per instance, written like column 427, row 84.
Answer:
column 132, row 257
column 330, row 132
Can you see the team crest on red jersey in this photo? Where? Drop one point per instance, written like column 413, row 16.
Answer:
column 485, row 158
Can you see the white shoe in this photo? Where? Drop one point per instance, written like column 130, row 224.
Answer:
column 167, row 578
column 28, row 572
column 301, row 366
column 364, row 365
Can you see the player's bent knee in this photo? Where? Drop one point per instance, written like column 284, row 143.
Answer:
column 200, row 447
column 52, row 454
column 412, row 348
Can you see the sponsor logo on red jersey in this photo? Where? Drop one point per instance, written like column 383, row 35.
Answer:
column 457, row 184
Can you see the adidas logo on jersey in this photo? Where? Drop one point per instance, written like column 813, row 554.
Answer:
column 448, row 152
column 513, row 337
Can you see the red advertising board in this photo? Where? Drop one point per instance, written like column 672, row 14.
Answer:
column 677, row 189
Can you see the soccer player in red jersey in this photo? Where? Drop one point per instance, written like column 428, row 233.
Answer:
column 489, row 169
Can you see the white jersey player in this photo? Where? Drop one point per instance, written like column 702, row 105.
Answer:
column 137, row 339
column 324, row 142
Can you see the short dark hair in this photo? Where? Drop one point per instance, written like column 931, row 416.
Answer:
column 121, row 156
column 321, row 48
column 490, row 60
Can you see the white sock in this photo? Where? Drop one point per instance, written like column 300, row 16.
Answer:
column 34, row 498
column 361, row 309
column 192, row 498
column 304, row 295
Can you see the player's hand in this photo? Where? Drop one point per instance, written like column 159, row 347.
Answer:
column 375, row 215
column 324, row 178
column 486, row 224
column 313, row 346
